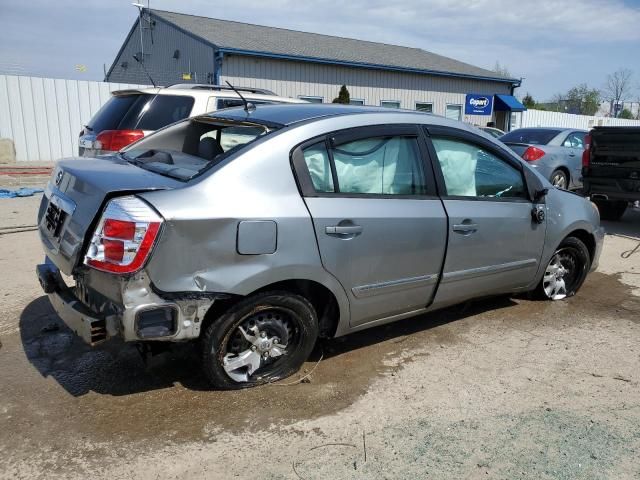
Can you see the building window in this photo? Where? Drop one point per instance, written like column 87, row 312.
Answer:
column 454, row 112
column 424, row 107
column 356, row 101
column 311, row 99
column 390, row 103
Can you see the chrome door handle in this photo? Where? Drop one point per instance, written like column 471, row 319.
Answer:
column 465, row 228
column 343, row 230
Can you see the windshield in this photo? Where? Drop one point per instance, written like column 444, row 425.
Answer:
column 186, row 149
column 534, row 136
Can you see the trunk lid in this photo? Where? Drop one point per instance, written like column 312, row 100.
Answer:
column 74, row 198
column 519, row 148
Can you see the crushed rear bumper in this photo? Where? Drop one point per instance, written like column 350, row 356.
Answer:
column 139, row 313
column 91, row 326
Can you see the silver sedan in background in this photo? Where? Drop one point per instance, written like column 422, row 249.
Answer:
column 554, row 152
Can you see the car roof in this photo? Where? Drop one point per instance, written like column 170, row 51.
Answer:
column 549, row 129
column 296, row 113
column 204, row 92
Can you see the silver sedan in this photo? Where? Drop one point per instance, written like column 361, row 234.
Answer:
column 555, row 152
column 315, row 221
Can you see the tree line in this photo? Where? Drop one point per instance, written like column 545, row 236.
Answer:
column 584, row 100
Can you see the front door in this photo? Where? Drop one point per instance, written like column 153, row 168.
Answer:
column 494, row 243
column 381, row 230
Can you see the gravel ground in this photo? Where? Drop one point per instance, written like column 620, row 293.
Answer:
column 496, row 389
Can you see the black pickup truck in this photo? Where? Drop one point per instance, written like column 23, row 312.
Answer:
column 611, row 169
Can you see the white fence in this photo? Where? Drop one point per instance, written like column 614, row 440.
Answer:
column 541, row 118
column 44, row 116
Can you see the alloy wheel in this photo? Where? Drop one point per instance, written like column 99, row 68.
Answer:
column 560, row 275
column 559, row 180
column 257, row 344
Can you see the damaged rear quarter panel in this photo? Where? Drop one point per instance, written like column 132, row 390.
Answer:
column 197, row 250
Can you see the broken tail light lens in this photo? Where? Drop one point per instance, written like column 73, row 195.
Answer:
column 124, row 237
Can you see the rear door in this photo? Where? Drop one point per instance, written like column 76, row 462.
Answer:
column 574, row 146
column 380, row 228
column 494, row 244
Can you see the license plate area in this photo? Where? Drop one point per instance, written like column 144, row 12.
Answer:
column 54, row 219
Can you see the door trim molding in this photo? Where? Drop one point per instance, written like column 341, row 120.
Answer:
column 381, row 288
column 458, row 275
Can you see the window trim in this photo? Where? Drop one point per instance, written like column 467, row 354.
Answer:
column 454, row 105
column 303, row 178
column 490, row 147
column 357, row 100
column 391, row 101
column 423, row 103
column 305, row 97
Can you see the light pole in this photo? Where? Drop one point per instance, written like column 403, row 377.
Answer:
column 139, row 6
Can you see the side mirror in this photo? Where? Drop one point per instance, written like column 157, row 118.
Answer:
column 540, row 194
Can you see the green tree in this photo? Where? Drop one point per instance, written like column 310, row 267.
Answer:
column 343, row 96
column 528, row 101
column 626, row 113
column 583, row 100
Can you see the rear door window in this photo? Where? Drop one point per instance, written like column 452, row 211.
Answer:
column 575, row 140
column 380, row 165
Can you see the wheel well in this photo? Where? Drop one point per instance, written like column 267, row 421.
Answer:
column 322, row 299
column 587, row 239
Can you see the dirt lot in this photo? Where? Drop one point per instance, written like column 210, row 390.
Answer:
column 506, row 388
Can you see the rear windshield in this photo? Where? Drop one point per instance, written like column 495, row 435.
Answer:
column 188, row 148
column 141, row 112
column 534, row 136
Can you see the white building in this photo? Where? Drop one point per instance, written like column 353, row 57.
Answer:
column 179, row 48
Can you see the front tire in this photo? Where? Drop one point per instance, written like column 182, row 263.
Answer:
column 566, row 271
column 263, row 338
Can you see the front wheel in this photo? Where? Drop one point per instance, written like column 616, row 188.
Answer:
column 566, row 271
column 263, row 338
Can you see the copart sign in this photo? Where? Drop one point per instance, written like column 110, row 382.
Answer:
column 477, row 104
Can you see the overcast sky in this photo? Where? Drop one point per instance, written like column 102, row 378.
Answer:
column 553, row 44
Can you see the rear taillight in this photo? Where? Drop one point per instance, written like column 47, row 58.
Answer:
column 114, row 140
column 586, row 153
column 532, row 154
column 124, row 236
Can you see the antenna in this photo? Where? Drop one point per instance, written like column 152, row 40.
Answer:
column 135, row 57
column 248, row 107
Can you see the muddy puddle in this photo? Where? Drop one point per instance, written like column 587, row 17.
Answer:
column 51, row 382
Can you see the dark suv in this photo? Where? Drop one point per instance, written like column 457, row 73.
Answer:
column 611, row 169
